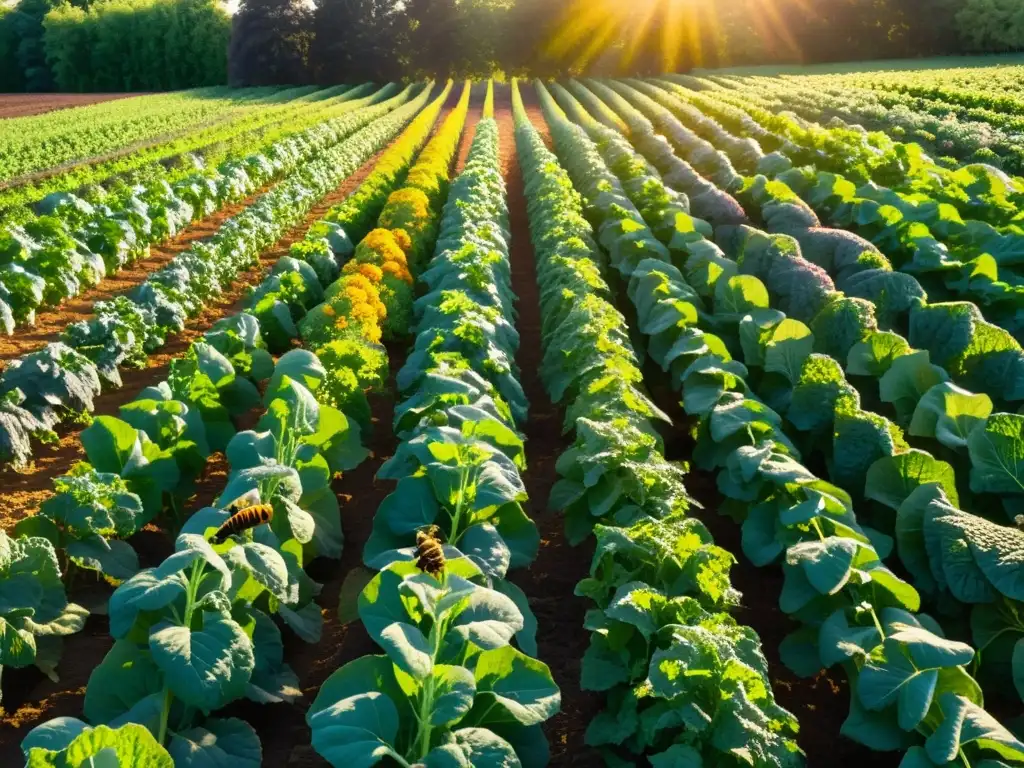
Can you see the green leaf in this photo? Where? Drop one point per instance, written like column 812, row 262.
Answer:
column 949, row 414
column 966, row 723
column 471, row 747
column 217, row 743
column 906, row 382
column 788, row 345
column 205, row 668
column 876, row 354
column 892, row 479
column 126, row 676
column 356, row 714
column 512, row 687
column 100, row 747
column 997, row 455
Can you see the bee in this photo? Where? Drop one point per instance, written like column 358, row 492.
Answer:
column 429, row 551
column 246, row 512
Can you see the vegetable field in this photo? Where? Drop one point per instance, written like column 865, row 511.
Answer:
column 669, row 421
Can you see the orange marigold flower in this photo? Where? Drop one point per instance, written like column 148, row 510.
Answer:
column 370, row 271
column 329, row 310
column 403, row 239
column 341, row 323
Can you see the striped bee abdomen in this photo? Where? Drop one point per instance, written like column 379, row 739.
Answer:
column 243, row 520
column 429, row 551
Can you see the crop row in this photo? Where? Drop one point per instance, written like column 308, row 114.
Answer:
column 45, row 387
column 684, row 682
column 787, row 510
column 35, row 143
column 74, row 244
column 974, row 134
column 145, row 463
column 203, row 146
column 451, row 687
column 891, row 221
column 196, row 632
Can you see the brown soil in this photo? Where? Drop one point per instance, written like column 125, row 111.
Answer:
column 29, row 698
column 550, row 581
column 24, row 491
column 26, row 104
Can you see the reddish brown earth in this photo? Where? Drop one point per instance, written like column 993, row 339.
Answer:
column 551, row 580
column 24, row 491
column 25, row 104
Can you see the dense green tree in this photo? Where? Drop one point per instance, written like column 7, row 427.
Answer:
column 270, row 43
column 137, row 45
column 358, row 40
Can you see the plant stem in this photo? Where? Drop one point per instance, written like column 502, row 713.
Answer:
column 164, row 714
column 194, row 582
column 421, row 744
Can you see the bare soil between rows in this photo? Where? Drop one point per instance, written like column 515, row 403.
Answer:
column 28, row 104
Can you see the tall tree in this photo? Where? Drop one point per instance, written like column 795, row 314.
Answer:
column 356, row 40
column 270, row 43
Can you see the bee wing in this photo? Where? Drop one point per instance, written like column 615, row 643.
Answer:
column 247, row 499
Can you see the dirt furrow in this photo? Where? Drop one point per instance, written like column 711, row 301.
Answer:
column 550, row 581
column 24, row 491
column 32, row 699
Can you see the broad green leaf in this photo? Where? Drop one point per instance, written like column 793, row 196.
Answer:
column 997, row 455
column 512, row 687
column 891, row 480
column 205, row 668
column 949, row 414
column 217, row 743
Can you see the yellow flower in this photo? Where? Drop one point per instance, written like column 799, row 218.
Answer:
column 356, row 294
column 397, row 270
column 341, row 323
column 329, row 310
column 403, row 239
column 370, row 271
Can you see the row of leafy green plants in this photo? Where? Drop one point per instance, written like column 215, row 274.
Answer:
column 852, row 609
column 685, row 683
column 860, row 268
column 72, row 243
column 37, row 142
column 924, row 213
column 450, row 686
column 863, row 333
column 828, row 336
column 196, row 633
column 43, row 388
column 146, row 463
column 951, row 131
column 205, row 144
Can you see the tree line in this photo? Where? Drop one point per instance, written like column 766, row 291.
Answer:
column 112, row 45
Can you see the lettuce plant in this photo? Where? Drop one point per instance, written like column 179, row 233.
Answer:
column 450, row 688
column 34, row 610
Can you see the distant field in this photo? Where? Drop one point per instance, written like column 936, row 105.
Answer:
column 25, row 104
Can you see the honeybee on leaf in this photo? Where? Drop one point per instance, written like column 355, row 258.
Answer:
column 246, row 512
column 430, row 551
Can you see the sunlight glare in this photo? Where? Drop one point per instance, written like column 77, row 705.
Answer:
column 678, row 32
